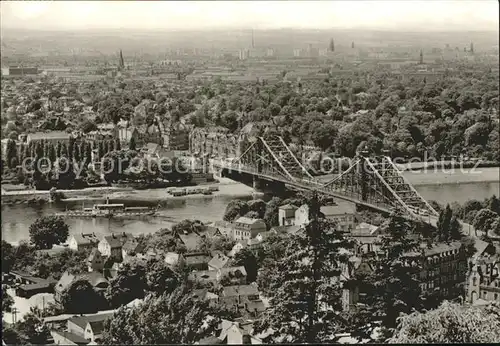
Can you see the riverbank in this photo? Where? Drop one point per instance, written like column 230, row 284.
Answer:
column 437, row 165
column 113, row 193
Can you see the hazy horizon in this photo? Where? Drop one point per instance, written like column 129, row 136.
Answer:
column 458, row 15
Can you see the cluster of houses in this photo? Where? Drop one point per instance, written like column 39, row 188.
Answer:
column 447, row 272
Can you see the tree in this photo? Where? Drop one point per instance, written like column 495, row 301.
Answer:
column 11, row 336
column 235, row 209
column 323, row 136
column 132, row 144
column 7, row 300
column 88, row 126
column 246, row 258
column 129, row 284
column 393, row 286
column 160, row 278
column 80, row 297
column 177, row 318
column 32, row 330
column 448, row 226
column 450, row 323
column 48, row 231
column 271, row 213
column 52, row 155
column 59, row 149
column 495, row 227
column 304, row 284
column 187, row 226
column 211, row 245
column 8, row 256
column 484, row 219
column 259, row 206
column 11, row 153
column 494, row 204
column 252, row 215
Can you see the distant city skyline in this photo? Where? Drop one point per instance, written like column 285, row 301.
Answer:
column 480, row 15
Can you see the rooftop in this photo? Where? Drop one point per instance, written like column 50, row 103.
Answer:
column 82, row 321
column 240, row 290
column 288, row 207
column 77, row 339
column 248, row 221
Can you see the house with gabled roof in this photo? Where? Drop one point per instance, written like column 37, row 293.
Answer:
column 67, row 338
column 88, row 327
column 82, row 241
column 218, row 261
column 234, row 275
column 132, row 247
column 96, row 279
column 191, row 241
column 173, row 259
column 197, row 260
column 111, row 245
column 286, row 214
column 95, row 261
column 255, row 226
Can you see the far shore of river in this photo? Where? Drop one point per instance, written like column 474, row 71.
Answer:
column 97, row 193
column 422, row 177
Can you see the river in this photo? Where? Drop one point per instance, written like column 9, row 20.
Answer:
column 444, row 187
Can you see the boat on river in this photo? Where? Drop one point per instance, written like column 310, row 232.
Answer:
column 110, row 210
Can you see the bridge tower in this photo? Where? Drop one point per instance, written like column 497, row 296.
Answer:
column 257, row 182
column 363, row 175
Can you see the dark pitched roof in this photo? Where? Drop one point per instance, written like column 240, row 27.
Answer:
column 191, row 241
column 82, row 321
column 218, row 261
column 85, row 238
column 288, row 207
column 196, row 258
column 117, row 240
column 97, row 326
column 93, row 254
column 232, row 270
column 240, row 290
column 65, row 281
column 132, row 245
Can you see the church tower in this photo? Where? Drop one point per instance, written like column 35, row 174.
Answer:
column 121, row 63
column 421, row 61
column 331, row 47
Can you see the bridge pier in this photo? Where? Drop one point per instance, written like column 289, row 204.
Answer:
column 258, row 187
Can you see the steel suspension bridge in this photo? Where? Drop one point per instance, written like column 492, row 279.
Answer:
column 372, row 182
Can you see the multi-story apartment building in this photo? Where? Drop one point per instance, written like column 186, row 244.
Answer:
column 444, row 270
column 176, row 136
column 214, row 141
column 443, row 274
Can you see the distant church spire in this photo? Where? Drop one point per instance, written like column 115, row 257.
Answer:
column 121, row 62
column 472, row 47
column 421, row 57
column 352, row 44
column 253, row 42
column 332, row 46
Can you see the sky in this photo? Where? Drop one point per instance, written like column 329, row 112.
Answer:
column 396, row 14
